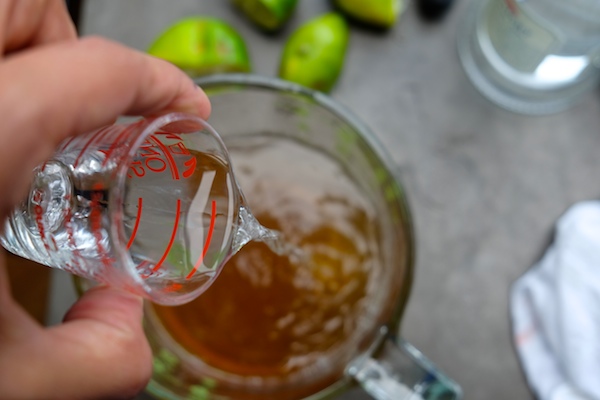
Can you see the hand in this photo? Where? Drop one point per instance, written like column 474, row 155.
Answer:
column 54, row 86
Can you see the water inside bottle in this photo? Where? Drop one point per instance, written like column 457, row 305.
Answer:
column 184, row 215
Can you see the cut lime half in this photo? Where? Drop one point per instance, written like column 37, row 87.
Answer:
column 378, row 13
column 314, row 54
column 202, row 46
column 269, row 15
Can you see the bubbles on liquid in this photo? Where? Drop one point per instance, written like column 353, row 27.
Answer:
column 250, row 229
column 273, row 312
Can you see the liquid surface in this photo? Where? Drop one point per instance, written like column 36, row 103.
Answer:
column 267, row 315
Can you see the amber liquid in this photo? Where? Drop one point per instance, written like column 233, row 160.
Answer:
column 271, row 316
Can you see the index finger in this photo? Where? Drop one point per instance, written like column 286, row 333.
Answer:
column 78, row 86
column 32, row 23
column 60, row 90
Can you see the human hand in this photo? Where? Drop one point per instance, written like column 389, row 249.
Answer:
column 55, row 86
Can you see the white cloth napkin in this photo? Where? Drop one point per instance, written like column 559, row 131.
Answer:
column 555, row 309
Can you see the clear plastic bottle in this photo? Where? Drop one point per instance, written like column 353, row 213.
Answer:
column 532, row 56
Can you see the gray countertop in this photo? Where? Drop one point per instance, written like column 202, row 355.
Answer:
column 485, row 185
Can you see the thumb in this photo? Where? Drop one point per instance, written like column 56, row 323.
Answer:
column 100, row 350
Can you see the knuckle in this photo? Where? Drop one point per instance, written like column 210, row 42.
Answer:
column 97, row 43
column 94, row 40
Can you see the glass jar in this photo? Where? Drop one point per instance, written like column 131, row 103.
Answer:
column 532, row 56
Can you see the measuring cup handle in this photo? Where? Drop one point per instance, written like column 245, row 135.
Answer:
column 401, row 372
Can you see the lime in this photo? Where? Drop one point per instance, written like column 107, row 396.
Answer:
column 201, row 46
column 379, row 13
column 314, row 54
column 269, row 15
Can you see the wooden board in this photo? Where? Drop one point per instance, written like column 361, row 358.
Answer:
column 30, row 283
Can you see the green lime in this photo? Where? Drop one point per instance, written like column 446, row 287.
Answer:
column 379, row 13
column 202, row 46
column 269, row 15
column 314, row 54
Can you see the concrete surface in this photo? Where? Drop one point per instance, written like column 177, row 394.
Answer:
column 485, row 185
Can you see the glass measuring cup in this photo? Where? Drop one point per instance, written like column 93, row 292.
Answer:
column 372, row 355
column 150, row 206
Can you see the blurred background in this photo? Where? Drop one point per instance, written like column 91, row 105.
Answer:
column 485, row 185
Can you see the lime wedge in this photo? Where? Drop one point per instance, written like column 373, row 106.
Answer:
column 269, row 15
column 202, row 46
column 378, row 13
column 314, row 54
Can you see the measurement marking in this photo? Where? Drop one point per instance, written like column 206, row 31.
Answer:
column 213, row 216
column 39, row 211
column 173, row 287
column 141, row 266
column 96, row 226
column 113, row 146
column 94, row 138
column 66, row 144
column 173, row 234
column 174, row 171
column 137, row 223
column 71, row 239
